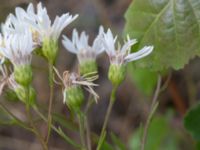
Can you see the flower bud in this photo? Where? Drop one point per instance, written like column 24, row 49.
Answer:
column 74, row 97
column 88, row 67
column 26, row 96
column 50, row 49
column 117, row 74
column 23, row 75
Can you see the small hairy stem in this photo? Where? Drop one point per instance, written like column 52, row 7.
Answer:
column 58, row 130
column 103, row 131
column 29, row 116
column 82, row 130
column 51, row 75
column 153, row 108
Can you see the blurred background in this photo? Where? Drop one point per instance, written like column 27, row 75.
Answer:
column 133, row 103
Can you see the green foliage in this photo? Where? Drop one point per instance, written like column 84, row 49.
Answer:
column 171, row 26
column 62, row 120
column 5, row 119
column 144, row 79
column 192, row 122
column 117, row 142
column 160, row 136
column 11, row 96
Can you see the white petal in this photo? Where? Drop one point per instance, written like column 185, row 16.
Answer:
column 128, row 45
column 140, row 54
column 69, row 45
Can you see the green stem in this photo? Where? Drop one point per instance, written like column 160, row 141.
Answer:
column 103, row 131
column 90, row 101
column 49, row 122
column 58, row 130
column 29, row 116
column 153, row 108
column 18, row 121
column 82, row 130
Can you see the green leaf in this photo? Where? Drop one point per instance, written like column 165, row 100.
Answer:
column 118, row 143
column 192, row 122
column 160, row 136
column 62, row 120
column 172, row 26
column 144, row 79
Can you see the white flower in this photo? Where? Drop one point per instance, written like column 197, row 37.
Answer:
column 42, row 23
column 123, row 55
column 17, row 48
column 18, row 23
column 80, row 47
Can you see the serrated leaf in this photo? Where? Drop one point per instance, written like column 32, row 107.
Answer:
column 192, row 122
column 172, row 26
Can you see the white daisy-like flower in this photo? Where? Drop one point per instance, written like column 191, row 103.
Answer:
column 18, row 23
column 80, row 46
column 123, row 55
column 46, row 29
column 17, row 48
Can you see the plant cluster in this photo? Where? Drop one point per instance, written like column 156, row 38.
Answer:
column 31, row 32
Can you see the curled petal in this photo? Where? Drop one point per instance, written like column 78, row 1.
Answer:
column 140, row 54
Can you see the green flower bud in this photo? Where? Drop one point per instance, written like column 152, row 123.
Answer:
column 88, row 67
column 74, row 97
column 117, row 74
column 23, row 95
column 50, row 49
column 23, row 75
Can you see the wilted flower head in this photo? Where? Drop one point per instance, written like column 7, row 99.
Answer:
column 17, row 48
column 74, row 80
column 123, row 55
column 80, row 46
column 4, row 78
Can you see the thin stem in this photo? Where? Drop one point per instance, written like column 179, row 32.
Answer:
column 58, row 130
column 82, row 130
column 87, row 126
column 29, row 116
column 103, row 131
column 51, row 74
column 18, row 121
column 88, row 134
column 153, row 108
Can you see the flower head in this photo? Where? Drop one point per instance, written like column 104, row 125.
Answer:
column 86, row 54
column 43, row 25
column 18, row 23
column 74, row 82
column 120, row 56
column 123, row 55
column 17, row 48
column 80, row 46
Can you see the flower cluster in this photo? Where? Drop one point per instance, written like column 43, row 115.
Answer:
column 32, row 30
column 22, row 33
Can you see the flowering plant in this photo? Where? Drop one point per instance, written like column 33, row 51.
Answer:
column 30, row 31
